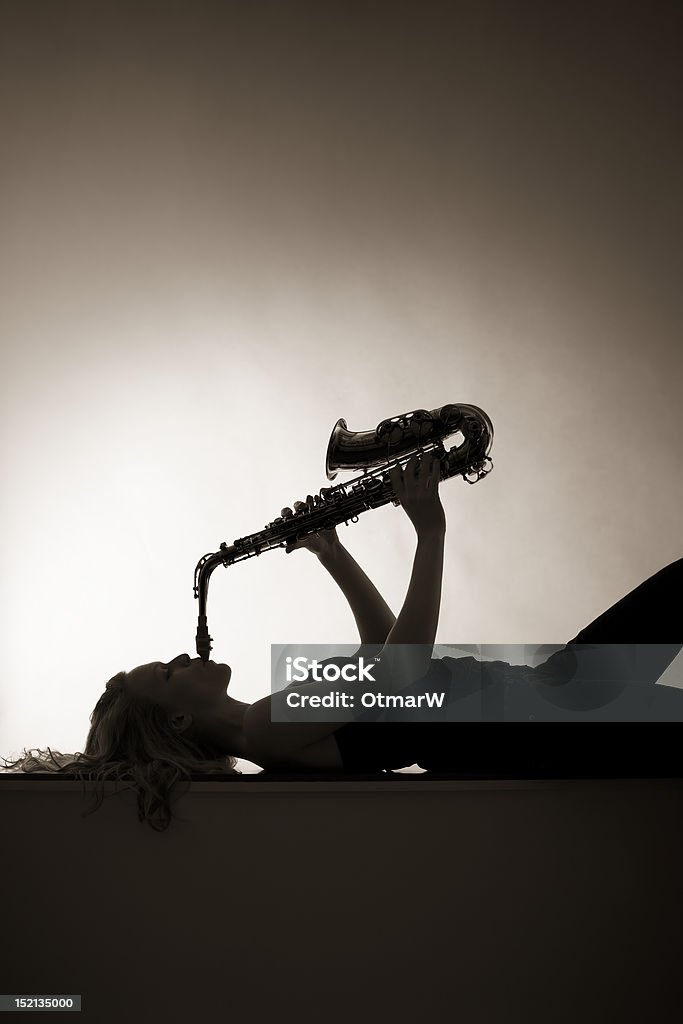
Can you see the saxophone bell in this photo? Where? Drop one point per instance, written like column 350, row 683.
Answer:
column 401, row 436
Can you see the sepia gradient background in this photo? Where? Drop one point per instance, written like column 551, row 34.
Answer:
column 225, row 225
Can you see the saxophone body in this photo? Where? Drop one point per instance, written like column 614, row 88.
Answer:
column 376, row 453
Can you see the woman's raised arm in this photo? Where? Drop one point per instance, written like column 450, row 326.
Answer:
column 374, row 618
column 417, row 488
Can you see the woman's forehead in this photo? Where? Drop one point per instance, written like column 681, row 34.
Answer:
column 143, row 677
column 151, row 669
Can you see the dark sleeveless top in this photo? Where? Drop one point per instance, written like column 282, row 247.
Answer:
column 374, row 746
column 573, row 685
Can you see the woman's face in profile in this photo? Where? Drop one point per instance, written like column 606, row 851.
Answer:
column 184, row 685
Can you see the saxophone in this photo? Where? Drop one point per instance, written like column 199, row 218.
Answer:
column 375, row 452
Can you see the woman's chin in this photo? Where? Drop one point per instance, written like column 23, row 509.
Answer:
column 226, row 669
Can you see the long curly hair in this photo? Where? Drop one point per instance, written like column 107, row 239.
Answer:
column 130, row 741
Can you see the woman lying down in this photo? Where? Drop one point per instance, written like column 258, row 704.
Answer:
column 160, row 722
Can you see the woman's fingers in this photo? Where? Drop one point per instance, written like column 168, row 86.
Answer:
column 409, row 471
column 422, row 468
column 420, row 473
column 396, row 477
column 294, row 546
column 434, row 477
column 416, row 487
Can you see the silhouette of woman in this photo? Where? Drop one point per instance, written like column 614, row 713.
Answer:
column 162, row 721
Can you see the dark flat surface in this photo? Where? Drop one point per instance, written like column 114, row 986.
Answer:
column 413, row 778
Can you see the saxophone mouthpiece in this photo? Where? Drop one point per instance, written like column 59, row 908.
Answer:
column 203, row 640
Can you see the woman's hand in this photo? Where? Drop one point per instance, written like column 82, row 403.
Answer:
column 322, row 543
column 416, row 487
